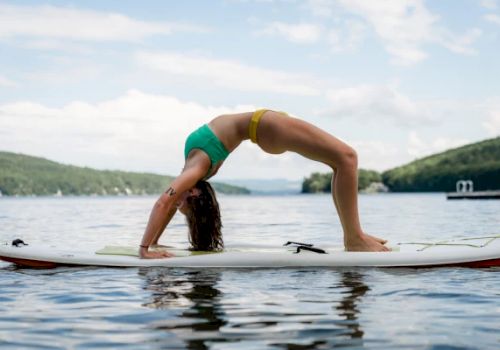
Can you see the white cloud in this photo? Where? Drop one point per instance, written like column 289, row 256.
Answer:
column 418, row 147
column 64, row 73
column 145, row 132
column 78, row 24
column 376, row 103
column 378, row 155
column 136, row 131
column 230, row 74
column 4, row 82
column 461, row 44
column 57, row 45
column 492, row 124
column 404, row 27
column 487, row 111
column 489, row 4
column 302, row 33
column 493, row 18
column 347, row 38
column 320, row 8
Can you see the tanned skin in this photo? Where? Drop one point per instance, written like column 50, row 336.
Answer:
column 276, row 133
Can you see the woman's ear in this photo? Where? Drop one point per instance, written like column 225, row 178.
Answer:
column 195, row 192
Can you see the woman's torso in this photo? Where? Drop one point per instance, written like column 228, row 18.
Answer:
column 231, row 129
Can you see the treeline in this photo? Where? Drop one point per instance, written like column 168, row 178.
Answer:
column 479, row 162
column 321, row 182
column 22, row 175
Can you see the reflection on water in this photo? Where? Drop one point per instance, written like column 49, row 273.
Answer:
column 157, row 308
column 348, row 306
column 207, row 316
column 195, row 295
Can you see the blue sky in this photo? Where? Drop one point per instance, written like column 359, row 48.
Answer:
column 120, row 84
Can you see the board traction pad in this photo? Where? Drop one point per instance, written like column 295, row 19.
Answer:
column 133, row 251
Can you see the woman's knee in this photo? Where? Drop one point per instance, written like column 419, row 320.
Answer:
column 348, row 157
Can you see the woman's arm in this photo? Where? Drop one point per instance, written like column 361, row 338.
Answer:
column 164, row 209
column 169, row 217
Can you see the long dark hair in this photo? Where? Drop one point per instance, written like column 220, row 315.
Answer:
column 203, row 219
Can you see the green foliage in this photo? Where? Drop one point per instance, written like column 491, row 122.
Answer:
column 366, row 177
column 25, row 175
column 229, row 189
column 479, row 162
column 319, row 182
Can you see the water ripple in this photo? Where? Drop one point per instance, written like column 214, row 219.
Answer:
column 307, row 308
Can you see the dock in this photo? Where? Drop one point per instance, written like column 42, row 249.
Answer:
column 474, row 195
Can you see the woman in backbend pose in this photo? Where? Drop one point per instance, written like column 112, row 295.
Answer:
column 274, row 132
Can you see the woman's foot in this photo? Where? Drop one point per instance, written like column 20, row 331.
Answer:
column 365, row 243
column 380, row 240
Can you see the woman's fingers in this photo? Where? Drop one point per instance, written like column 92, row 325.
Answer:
column 168, row 255
column 156, row 255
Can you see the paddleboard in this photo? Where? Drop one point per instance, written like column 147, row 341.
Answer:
column 470, row 252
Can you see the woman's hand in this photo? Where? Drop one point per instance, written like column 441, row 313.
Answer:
column 146, row 254
column 160, row 246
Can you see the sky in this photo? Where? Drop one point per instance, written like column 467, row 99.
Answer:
column 121, row 84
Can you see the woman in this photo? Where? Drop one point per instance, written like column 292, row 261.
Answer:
column 274, row 132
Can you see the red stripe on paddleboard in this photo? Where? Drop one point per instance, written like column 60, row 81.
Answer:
column 30, row 263
column 473, row 264
column 484, row 263
column 49, row 265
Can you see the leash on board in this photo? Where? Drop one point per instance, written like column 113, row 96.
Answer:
column 451, row 242
column 305, row 246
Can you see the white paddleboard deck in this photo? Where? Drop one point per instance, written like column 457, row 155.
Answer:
column 471, row 252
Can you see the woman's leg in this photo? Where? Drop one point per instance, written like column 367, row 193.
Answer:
column 278, row 133
column 345, row 197
column 334, row 178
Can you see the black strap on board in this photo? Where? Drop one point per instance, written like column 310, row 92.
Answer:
column 298, row 244
column 311, row 249
column 17, row 242
column 305, row 246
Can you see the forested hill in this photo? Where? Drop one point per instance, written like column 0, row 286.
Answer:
column 479, row 162
column 25, row 175
column 321, row 182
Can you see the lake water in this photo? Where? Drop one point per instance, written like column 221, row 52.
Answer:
column 313, row 308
